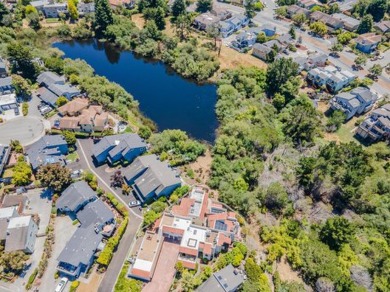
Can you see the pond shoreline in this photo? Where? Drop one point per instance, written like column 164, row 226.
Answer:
column 167, row 98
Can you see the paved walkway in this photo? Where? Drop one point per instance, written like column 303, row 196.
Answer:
column 128, row 238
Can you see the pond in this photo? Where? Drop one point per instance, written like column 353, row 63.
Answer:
column 171, row 101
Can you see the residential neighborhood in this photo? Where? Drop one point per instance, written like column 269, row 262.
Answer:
column 206, row 145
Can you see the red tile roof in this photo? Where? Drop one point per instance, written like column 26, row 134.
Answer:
column 189, row 265
column 223, row 239
column 184, row 208
column 141, row 273
column 207, row 248
column 173, row 230
column 189, row 251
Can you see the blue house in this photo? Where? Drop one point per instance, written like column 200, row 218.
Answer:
column 267, row 29
column 115, row 148
column 151, row 178
column 49, row 149
column 368, row 42
column 75, row 197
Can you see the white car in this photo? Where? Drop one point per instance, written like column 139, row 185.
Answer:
column 61, row 285
column 134, row 203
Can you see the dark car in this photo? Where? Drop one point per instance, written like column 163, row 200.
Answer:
column 17, row 112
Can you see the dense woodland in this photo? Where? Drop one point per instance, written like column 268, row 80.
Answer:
column 322, row 206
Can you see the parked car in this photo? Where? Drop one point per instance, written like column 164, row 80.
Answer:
column 134, row 204
column 61, row 285
column 17, row 112
column 56, row 124
column 45, row 109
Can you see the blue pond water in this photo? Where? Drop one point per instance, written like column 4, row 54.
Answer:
column 171, row 101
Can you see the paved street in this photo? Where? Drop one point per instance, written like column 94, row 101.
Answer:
column 84, row 148
column 25, row 129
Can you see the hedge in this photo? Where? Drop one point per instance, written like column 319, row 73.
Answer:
column 31, row 279
column 73, row 286
column 118, row 205
column 107, row 253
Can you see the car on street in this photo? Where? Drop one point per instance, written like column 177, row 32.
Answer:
column 17, row 112
column 45, row 109
column 134, row 204
column 61, row 285
column 56, row 124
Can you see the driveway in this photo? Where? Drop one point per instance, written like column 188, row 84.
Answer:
column 63, row 231
column 84, row 148
column 25, row 129
column 165, row 269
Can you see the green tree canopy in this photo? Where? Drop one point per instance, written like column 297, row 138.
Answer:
column 366, row 24
column 204, row 6
column 54, row 176
column 103, row 16
column 336, row 232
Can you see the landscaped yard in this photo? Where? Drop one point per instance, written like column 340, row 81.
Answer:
column 72, row 156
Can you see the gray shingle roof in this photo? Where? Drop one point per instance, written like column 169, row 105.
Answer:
column 365, row 93
column 74, row 195
column 50, row 78
column 225, row 280
column 81, row 247
column 95, row 213
column 156, row 174
column 17, row 233
column 6, row 82
column 120, row 143
column 47, row 96
column 40, row 154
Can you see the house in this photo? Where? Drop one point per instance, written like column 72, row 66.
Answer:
column 377, row 125
column 8, row 102
column 79, row 252
column 329, row 20
column 296, row 10
column 368, row 42
column 49, row 149
column 151, row 178
column 5, row 215
column 229, row 279
column 339, row 80
column 5, row 152
column 79, row 116
column 75, row 197
column 15, row 200
column 97, row 215
column 3, row 69
column 85, row 8
column 355, row 102
column 383, row 26
column 6, row 85
column 53, row 10
column 54, row 86
column 226, row 28
column 121, row 147
column 129, row 4
column 245, row 39
column 308, row 4
column 191, row 226
column 347, row 5
column 205, row 20
column 332, row 78
column 21, row 234
column 261, row 51
column 212, row 18
column 350, row 23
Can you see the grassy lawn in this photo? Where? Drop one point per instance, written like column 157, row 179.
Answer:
column 72, row 156
column 8, row 172
column 52, row 20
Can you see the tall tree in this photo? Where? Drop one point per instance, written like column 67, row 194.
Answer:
column 378, row 8
column 183, row 26
column 21, row 60
column 178, row 8
column 3, row 11
column 54, row 176
column 301, row 121
column 292, row 32
column 336, row 232
column 279, row 72
column 72, row 8
column 366, row 24
column 103, row 16
column 250, row 11
column 204, row 6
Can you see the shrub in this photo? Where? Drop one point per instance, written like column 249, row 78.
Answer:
column 25, row 108
column 74, row 285
column 31, row 279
